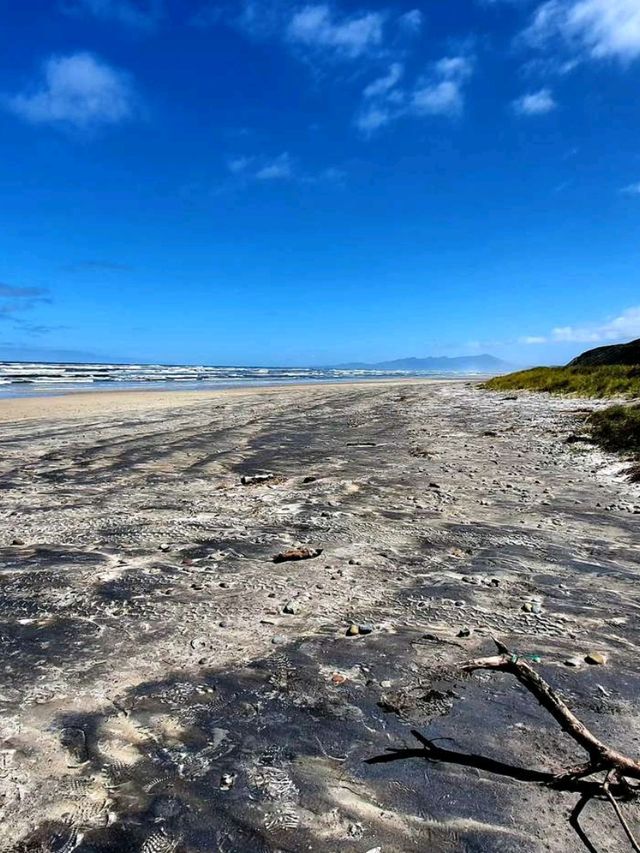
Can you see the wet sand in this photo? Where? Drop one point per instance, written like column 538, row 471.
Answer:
column 165, row 686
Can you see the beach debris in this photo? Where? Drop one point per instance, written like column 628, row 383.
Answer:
column 227, row 781
column 596, row 658
column 256, row 479
column 294, row 554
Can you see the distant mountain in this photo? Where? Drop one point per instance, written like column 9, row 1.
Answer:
column 628, row 354
column 438, row 364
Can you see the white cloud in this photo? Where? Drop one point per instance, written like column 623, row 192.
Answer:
column 279, row 169
column 596, row 28
column 631, row 189
column 79, row 90
column 625, row 326
column 533, row 339
column 535, row 103
column 142, row 14
column 440, row 92
column 383, row 85
column 441, row 98
column 282, row 168
column 411, row 22
column 318, row 27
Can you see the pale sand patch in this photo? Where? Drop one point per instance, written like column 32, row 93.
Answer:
column 79, row 404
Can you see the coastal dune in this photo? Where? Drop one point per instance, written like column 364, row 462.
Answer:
column 167, row 685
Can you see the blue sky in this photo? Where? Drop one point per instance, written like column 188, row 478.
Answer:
column 283, row 182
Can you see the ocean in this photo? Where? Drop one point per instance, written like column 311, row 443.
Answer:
column 32, row 379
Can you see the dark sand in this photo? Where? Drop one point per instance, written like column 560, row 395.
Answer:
column 155, row 696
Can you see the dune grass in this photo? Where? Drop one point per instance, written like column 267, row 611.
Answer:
column 617, row 428
column 604, row 381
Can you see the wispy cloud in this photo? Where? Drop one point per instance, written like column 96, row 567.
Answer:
column 138, row 14
column 78, row 90
column 439, row 92
column 411, row 22
column 622, row 327
column 282, row 168
column 535, row 103
column 320, row 32
column 318, row 27
column 15, row 300
column 631, row 189
column 598, row 29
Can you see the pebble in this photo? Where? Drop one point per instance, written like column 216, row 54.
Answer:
column 292, row 608
column 574, row 661
column 464, row 632
column 279, row 640
column 359, row 630
column 227, row 781
column 595, row 658
column 18, row 542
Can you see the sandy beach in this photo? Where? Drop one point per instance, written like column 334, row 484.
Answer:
column 167, row 687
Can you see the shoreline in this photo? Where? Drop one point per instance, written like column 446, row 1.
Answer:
column 77, row 404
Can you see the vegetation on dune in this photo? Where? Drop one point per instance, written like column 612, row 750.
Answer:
column 617, row 428
column 601, row 381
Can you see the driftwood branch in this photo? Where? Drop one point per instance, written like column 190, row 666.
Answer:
column 619, row 768
column 602, row 757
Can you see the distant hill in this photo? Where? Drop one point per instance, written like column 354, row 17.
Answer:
column 438, row 364
column 626, row 354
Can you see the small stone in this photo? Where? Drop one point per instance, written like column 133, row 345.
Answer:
column 385, row 685
column 227, row 781
column 460, row 603
column 338, row 678
column 353, row 631
column 164, row 547
column 18, row 542
column 279, row 640
column 366, row 628
column 576, row 661
column 596, row 658
column 291, row 608
column 464, row 632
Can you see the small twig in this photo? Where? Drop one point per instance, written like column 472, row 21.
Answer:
column 618, row 811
